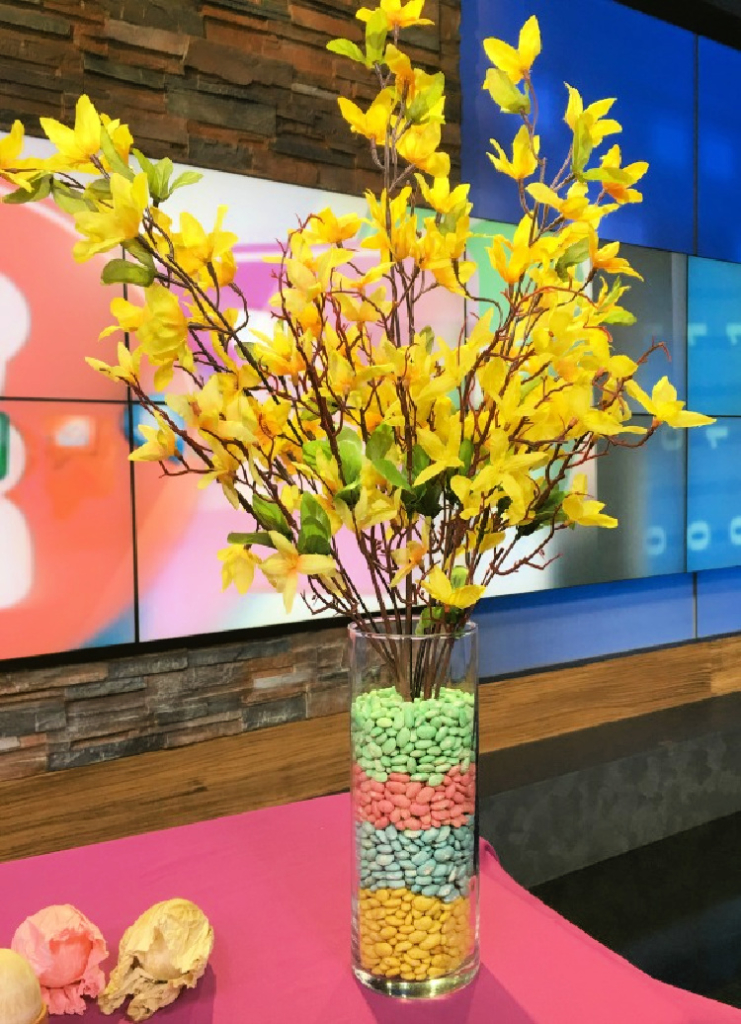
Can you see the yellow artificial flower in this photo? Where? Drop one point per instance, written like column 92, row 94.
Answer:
column 76, row 145
column 162, row 329
column 160, row 442
column 418, row 146
column 195, row 250
column 616, row 180
column 444, row 455
column 127, row 369
column 585, row 511
column 439, row 587
column 516, row 63
column 664, row 405
column 10, row 164
column 110, row 225
column 575, row 205
column 411, row 555
column 328, row 229
column 238, row 568
column 524, row 160
column 398, row 14
column 590, row 119
column 374, row 123
column 284, row 568
column 401, row 67
column 512, row 259
column 441, row 199
column 607, row 258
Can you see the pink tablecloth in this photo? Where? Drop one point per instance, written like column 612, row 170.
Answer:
column 276, row 885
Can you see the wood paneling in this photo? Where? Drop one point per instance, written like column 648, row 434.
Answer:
column 311, row 758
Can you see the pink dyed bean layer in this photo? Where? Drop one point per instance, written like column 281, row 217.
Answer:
column 412, row 805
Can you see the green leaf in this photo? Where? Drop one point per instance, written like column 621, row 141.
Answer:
column 136, row 249
column 68, row 199
column 146, row 165
column 582, row 146
column 311, row 509
column 350, row 495
column 459, row 577
column 247, row 539
column 376, row 31
column 40, row 189
column 427, row 620
column 507, row 96
column 618, row 315
column 186, row 178
column 394, row 476
column 575, row 254
column 159, row 180
column 270, row 517
column 350, row 448
column 345, row 48
column 311, row 449
column 465, row 454
column 379, row 442
column 313, row 538
column 112, row 156
column 429, row 338
column 422, row 105
column 101, row 188
column 125, row 272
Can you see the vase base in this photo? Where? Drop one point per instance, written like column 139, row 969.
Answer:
column 397, row 988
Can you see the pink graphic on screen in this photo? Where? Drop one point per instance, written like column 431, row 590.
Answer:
column 66, row 531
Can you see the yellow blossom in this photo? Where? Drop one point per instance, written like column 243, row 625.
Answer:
column 617, row 181
column 329, row 229
column 10, row 164
column 664, row 405
column 516, row 63
column 439, row 587
column 160, row 442
column 284, row 568
column 419, row 145
column 76, row 145
column 590, row 120
column 127, row 369
column 110, row 225
column 524, row 160
column 585, row 511
column 411, row 555
column 238, row 568
column 444, row 454
column 398, row 14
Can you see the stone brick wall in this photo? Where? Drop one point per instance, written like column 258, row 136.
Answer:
column 73, row 715
column 240, row 85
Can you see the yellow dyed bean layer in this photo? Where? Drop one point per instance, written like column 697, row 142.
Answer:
column 405, row 935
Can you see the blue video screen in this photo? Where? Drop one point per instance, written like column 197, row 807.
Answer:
column 718, row 151
column 714, row 336
column 603, row 49
column 714, row 496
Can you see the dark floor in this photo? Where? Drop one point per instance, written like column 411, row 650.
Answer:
column 672, row 908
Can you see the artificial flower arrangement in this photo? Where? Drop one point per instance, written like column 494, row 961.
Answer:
column 445, row 464
column 448, row 464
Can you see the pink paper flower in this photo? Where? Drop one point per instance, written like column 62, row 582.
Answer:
column 64, row 949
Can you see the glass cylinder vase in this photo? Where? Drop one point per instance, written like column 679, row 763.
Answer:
column 414, row 744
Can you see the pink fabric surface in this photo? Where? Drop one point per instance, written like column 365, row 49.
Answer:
column 276, row 886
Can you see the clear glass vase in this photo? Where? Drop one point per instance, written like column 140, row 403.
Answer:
column 414, row 742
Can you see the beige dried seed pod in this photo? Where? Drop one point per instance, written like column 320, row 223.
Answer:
column 163, row 952
column 20, row 991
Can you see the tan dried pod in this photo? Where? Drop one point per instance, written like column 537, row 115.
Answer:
column 163, row 952
column 20, row 991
